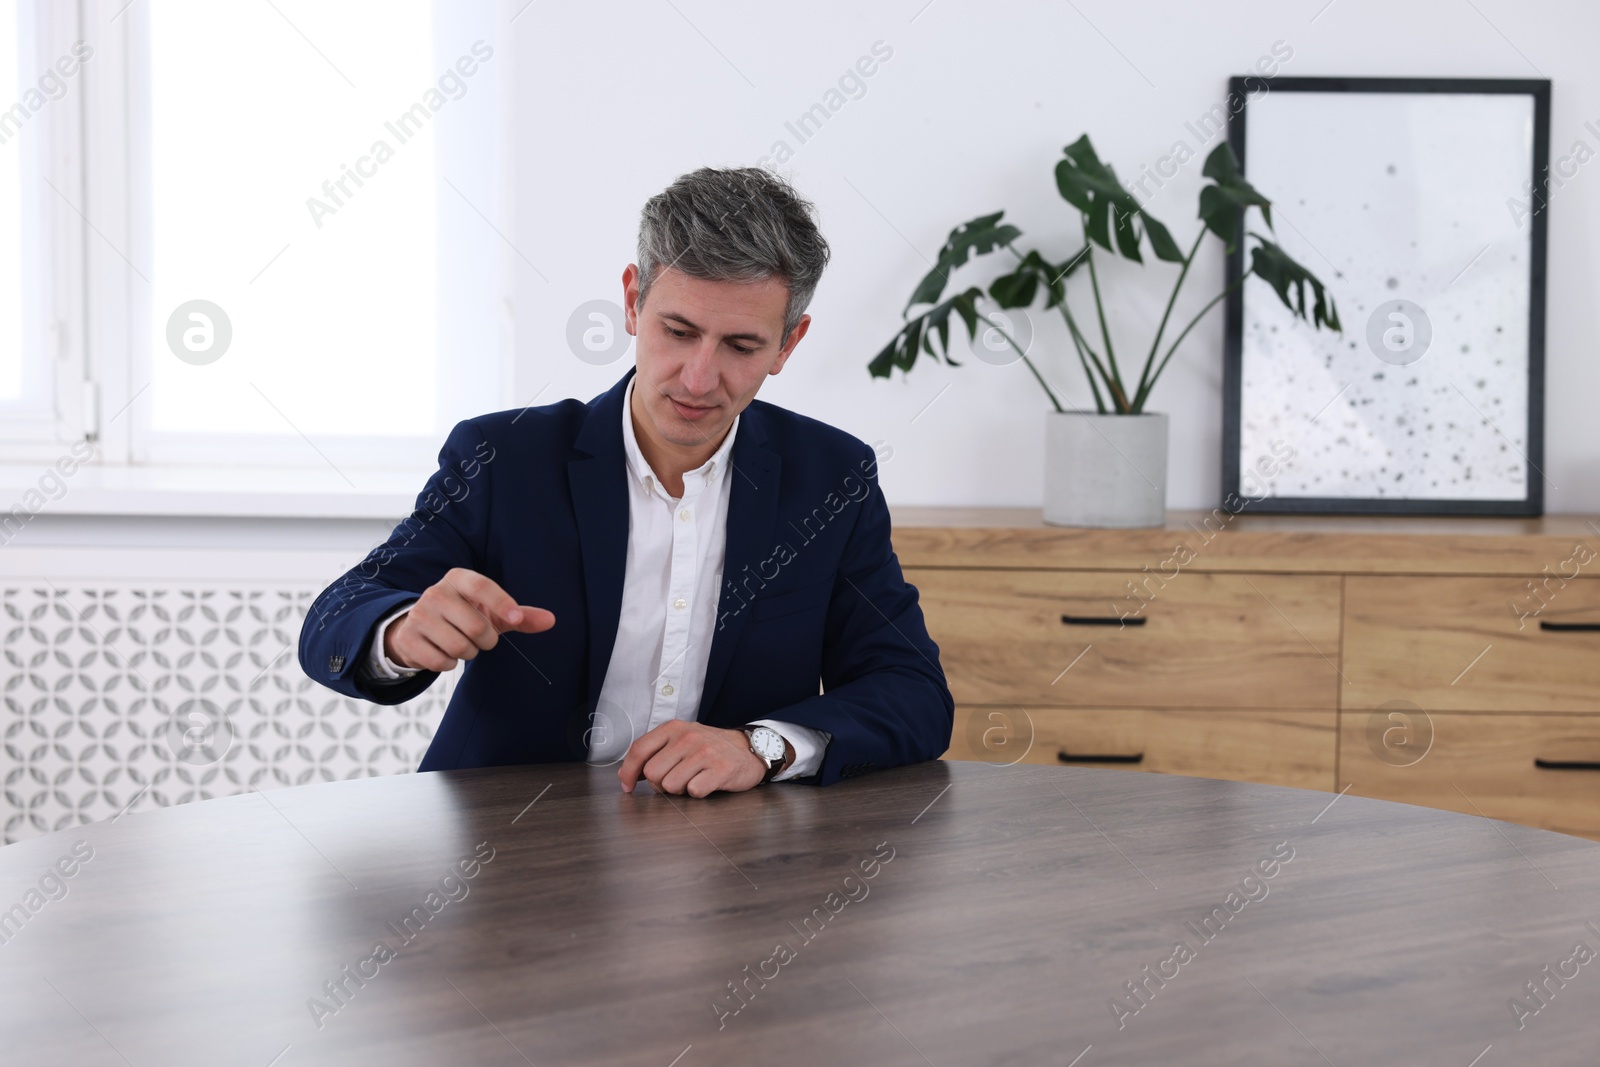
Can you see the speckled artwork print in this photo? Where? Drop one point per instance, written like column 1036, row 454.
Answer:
column 1411, row 207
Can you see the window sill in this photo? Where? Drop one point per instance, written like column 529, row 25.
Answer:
column 239, row 492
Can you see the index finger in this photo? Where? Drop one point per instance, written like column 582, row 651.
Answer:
column 639, row 754
column 485, row 594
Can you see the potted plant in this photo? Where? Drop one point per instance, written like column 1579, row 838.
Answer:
column 1107, row 467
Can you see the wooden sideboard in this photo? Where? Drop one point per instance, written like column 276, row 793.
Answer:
column 1453, row 663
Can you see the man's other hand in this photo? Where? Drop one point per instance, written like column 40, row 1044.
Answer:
column 457, row 617
column 693, row 758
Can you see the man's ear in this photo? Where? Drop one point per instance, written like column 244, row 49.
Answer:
column 798, row 332
column 630, row 299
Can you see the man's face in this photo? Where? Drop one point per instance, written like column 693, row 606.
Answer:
column 703, row 349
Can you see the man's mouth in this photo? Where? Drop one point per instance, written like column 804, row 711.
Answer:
column 691, row 412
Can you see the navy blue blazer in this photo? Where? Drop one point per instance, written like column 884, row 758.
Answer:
column 536, row 499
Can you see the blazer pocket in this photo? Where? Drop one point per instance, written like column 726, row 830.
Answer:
column 774, row 606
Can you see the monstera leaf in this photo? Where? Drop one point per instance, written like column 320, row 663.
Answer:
column 1109, row 211
column 1222, row 206
column 1112, row 219
column 978, row 237
column 1272, row 263
column 1013, row 290
column 1017, row 289
column 918, row 334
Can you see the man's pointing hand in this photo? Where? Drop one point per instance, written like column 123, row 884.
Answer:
column 456, row 618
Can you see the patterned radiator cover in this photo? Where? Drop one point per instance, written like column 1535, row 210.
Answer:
column 121, row 696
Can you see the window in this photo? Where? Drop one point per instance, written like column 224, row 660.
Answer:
column 40, row 357
column 11, row 120
column 291, row 257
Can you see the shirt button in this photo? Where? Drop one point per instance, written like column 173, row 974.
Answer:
column 680, row 603
column 685, row 515
column 666, row 690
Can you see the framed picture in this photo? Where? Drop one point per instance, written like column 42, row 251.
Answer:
column 1420, row 203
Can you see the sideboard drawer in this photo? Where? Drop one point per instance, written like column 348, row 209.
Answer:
column 1538, row 770
column 1276, row 747
column 1082, row 639
column 1472, row 644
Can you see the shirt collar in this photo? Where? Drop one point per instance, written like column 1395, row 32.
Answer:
column 639, row 468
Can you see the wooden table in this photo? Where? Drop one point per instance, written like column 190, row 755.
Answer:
column 960, row 913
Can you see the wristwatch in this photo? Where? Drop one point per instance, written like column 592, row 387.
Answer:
column 770, row 748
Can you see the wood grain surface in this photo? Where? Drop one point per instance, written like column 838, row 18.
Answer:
column 1224, row 541
column 1200, row 640
column 1293, row 747
column 959, row 913
column 1472, row 644
column 1538, row 770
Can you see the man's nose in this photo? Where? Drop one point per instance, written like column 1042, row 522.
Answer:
column 699, row 374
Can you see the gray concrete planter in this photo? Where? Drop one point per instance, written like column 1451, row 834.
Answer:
column 1105, row 470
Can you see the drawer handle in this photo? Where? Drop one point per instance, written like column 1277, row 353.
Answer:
column 1569, row 627
column 1103, row 620
column 1066, row 757
column 1566, row 765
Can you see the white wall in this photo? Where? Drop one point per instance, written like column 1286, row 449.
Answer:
column 969, row 116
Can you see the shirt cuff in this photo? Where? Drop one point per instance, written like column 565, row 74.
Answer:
column 379, row 667
column 809, row 747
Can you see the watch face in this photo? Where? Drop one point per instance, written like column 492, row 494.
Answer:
column 767, row 742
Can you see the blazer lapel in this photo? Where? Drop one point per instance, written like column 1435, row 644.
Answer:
column 752, row 516
column 599, row 487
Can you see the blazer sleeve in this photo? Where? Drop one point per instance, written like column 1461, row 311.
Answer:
column 448, row 528
column 884, row 699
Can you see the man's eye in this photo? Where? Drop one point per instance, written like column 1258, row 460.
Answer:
column 742, row 351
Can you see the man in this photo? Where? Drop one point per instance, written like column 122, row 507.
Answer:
column 661, row 576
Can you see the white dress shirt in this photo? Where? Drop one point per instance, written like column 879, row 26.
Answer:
column 676, row 549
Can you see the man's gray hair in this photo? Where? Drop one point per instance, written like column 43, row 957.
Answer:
column 740, row 224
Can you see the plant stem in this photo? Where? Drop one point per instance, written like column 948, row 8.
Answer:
column 1192, row 323
column 1077, row 342
column 1155, row 345
column 1042, row 383
column 1100, row 405
column 1118, row 397
column 1105, row 332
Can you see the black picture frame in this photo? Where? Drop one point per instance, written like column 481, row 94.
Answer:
column 1532, row 503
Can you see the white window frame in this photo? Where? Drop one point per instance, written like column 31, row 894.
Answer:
column 50, row 145
column 98, row 265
